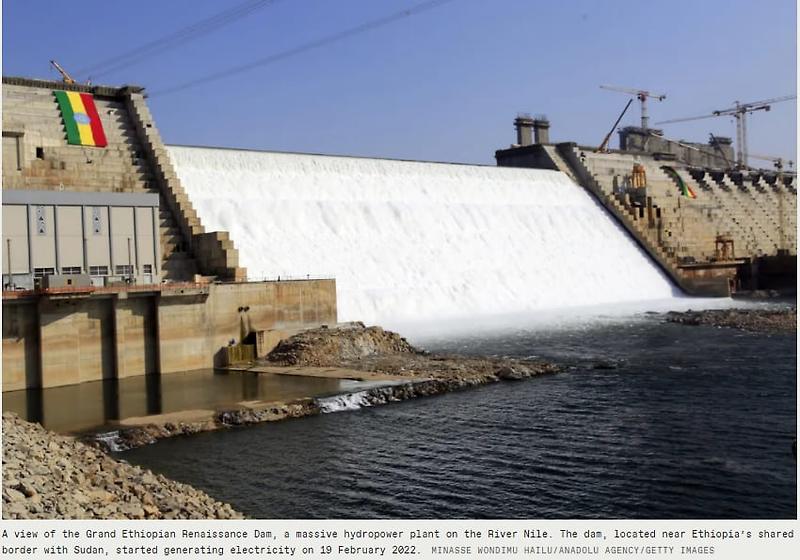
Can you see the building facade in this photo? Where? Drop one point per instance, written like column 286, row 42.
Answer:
column 55, row 238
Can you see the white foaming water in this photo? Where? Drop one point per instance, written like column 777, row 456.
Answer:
column 339, row 403
column 410, row 242
column 111, row 440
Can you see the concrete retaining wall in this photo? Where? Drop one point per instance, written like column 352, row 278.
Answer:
column 50, row 341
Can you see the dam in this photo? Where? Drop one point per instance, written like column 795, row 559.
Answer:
column 415, row 241
column 133, row 269
column 123, row 256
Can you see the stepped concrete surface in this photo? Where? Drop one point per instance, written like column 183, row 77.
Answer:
column 709, row 245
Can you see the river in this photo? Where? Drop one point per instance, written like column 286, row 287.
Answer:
column 649, row 420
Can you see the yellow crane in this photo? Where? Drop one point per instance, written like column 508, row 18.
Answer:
column 66, row 77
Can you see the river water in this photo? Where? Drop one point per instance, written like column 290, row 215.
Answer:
column 649, row 420
column 90, row 407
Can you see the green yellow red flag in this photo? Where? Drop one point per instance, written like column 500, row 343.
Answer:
column 81, row 120
column 686, row 190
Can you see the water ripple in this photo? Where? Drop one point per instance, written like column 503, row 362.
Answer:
column 704, row 433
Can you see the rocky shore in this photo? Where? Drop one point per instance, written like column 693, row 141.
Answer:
column 46, row 476
column 353, row 346
column 754, row 320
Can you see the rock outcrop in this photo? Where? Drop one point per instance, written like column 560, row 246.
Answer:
column 331, row 346
column 756, row 320
column 350, row 346
column 373, row 349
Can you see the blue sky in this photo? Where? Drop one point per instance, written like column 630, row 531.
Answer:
column 443, row 85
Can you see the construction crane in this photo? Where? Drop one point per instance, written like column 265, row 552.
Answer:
column 739, row 111
column 604, row 145
column 66, row 77
column 642, row 95
column 778, row 162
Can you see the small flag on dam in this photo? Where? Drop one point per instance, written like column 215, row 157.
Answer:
column 81, row 119
column 686, row 190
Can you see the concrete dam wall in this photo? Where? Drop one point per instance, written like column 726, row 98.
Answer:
column 107, row 271
column 414, row 241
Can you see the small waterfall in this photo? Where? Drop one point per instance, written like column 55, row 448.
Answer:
column 349, row 401
column 110, row 441
column 415, row 242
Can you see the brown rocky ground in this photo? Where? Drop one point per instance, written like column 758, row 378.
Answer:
column 352, row 345
column 755, row 320
column 48, row 476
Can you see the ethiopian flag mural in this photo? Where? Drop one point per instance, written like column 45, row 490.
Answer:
column 81, row 119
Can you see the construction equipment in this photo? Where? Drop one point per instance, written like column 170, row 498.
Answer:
column 642, row 95
column 714, row 142
column 66, row 77
column 778, row 162
column 719, row 152
column 739, row 111
column 604, row 146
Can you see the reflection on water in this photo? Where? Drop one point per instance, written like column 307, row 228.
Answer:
column 689, row 423
column 81, row 407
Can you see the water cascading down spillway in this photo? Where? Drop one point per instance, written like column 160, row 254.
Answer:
column 414, row 241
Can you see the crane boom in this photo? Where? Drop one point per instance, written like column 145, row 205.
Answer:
column 67, row 78
column 739, row 111
column 632, row 91
column 604, row 145
column 642, row 95
column 685, row 119
column 776, row 160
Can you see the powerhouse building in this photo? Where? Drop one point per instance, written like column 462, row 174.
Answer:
column 108, row 271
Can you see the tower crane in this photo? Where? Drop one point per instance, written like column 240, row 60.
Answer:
column 739, row 111
column 642, row 95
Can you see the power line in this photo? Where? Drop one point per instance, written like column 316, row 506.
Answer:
column 177, row 38
column 315, row 44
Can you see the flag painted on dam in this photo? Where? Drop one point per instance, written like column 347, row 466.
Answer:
column 81, row 121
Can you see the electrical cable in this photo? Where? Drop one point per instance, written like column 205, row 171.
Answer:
column 315, row 44
column 175, row 39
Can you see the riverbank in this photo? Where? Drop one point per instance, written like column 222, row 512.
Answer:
column 350, row 351
column 753, row 320
column 46, row 476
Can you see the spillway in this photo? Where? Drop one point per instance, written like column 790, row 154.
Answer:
column 414, row 241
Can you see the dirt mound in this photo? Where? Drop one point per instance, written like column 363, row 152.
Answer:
column 334, row 346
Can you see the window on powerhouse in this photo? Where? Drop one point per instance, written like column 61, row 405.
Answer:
column 98, row 270
column 123, row 270
column 70, row 270
column 41, row 272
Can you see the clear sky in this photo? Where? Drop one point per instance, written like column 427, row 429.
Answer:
column 441, row 85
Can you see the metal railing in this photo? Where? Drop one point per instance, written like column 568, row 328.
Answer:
column 127, row 288
column 163, row 287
